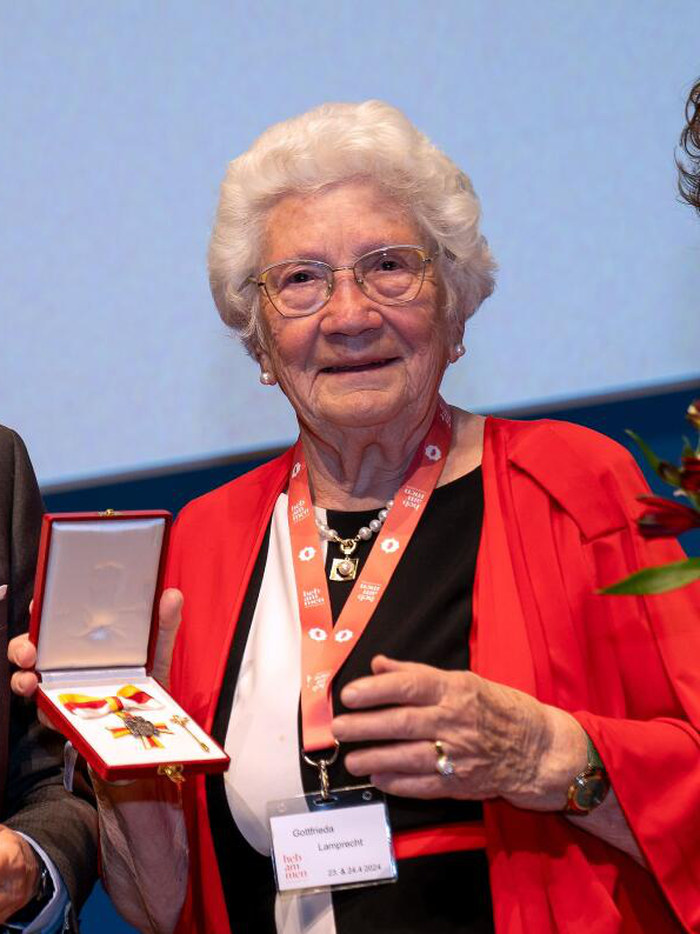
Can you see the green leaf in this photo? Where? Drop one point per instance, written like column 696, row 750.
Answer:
column 668, row 473
column 688, row 449
column 658, row 579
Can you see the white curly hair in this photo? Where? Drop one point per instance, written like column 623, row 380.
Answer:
column 328, row 145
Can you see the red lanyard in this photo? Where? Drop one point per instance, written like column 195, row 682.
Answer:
column 325, row 647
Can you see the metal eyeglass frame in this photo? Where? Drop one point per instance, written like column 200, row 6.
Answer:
column 260, row 279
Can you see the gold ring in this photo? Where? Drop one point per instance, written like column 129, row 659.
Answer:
column 444, row 765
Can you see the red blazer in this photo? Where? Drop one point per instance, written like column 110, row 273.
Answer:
column 558, row 524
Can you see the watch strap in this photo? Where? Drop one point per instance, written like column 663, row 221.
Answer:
column 594, row 760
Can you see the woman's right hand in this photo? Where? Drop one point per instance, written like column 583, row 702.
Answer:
column 22, row 653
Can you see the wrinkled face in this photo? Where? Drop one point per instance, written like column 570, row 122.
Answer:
column 354, row 363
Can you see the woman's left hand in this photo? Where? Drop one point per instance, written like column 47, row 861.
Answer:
column 502, row 742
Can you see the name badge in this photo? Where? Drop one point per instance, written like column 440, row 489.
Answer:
column 336, row 843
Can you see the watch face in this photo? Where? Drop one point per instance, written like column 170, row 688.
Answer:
column 591, row 789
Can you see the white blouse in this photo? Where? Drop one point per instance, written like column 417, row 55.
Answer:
column 262, row 738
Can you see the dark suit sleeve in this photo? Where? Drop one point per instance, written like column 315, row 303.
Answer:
column 62, row 824
column 21, row 510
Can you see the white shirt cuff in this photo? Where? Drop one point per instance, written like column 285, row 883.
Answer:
column 50, row 918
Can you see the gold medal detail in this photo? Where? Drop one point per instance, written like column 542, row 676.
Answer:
column 183, row 721
column 344, row 569
column 140, row 728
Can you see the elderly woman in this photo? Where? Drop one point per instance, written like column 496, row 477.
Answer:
column 425, row 580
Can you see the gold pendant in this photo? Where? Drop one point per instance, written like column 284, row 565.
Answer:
column 344, row 569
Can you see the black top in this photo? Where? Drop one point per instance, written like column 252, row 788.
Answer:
column 425, row 615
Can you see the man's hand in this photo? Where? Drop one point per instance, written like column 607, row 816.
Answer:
column 19, row 873
column 22, row 652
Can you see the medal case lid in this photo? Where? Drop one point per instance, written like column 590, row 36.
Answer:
column 94, row 622
column 98, row 581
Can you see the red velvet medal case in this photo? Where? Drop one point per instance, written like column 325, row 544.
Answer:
column 94, row 623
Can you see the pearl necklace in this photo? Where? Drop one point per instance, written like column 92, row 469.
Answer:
column 345, row 568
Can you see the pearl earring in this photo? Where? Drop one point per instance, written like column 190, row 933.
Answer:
column 267, row 379
column 459, row 351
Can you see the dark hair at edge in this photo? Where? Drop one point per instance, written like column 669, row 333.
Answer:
column 688, row 161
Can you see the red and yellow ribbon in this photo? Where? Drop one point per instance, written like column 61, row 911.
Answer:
column 126, row 698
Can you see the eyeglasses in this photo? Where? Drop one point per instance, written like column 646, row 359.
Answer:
column 392, row 275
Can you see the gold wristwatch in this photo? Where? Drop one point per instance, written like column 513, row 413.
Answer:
column 589, row 788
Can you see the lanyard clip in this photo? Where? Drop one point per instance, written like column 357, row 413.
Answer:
column 322, row 766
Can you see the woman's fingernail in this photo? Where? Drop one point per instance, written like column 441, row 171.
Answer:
column 3, row 591
column 349, row 696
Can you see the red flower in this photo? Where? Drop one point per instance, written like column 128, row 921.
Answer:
column 693, row 414
column 664, row 518
column 690, row 474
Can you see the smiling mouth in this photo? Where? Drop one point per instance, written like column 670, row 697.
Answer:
column 360, row 367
